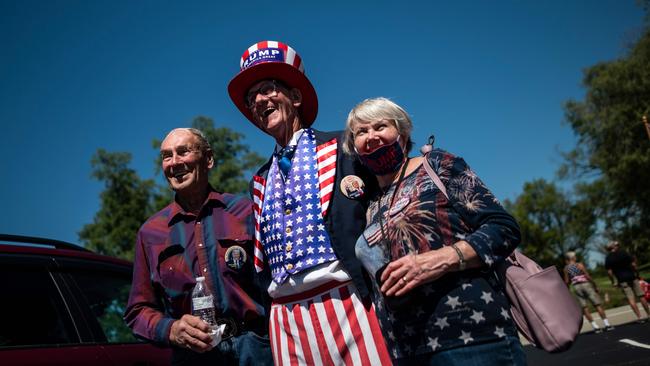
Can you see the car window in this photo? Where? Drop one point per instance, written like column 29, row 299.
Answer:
column 32, row 311
column 106, row 293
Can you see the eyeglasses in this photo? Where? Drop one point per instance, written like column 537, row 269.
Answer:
column 268, row 89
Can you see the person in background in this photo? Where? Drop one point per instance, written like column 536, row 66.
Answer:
column 645, row 287
column 431, row 257
column 193, row 237
column 576, row 274
column 621, row 269
column 305, row 223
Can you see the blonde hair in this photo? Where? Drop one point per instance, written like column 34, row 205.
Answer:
column 377, row 109
column 570, row 255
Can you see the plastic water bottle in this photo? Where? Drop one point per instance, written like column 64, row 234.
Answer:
column 202, row 303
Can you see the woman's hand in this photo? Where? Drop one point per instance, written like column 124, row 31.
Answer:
column 410, row 271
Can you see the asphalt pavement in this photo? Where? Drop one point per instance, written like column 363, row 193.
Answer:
column 627, row 344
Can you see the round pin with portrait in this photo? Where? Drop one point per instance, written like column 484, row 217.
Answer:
column 235, row 257
column 352, row 187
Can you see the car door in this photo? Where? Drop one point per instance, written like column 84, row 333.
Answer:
column 37, row 325
column 101, row 292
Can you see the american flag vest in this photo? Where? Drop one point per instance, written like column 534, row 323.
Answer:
column 289, row 213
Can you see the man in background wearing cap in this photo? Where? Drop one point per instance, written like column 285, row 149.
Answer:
column 621, row 269
column 305, row 225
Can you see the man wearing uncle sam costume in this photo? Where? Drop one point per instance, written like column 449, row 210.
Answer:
column 306, row 219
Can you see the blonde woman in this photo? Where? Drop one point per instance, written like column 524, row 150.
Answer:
column 430, row 257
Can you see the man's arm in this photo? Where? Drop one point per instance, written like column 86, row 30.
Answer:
column 634, row 268
column 144, row 310
column 610, row 274
column 145, row 313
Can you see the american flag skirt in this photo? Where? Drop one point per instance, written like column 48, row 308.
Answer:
column 328, row 325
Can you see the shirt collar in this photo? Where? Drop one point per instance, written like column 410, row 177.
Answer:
column 177, row 210
column 293, row 142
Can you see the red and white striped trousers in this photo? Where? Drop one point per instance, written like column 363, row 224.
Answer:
column 328, row 325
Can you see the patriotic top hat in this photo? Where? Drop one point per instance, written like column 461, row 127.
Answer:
column 276, row 61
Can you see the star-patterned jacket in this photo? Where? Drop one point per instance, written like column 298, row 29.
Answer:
column 344, row 218
column 460, row 308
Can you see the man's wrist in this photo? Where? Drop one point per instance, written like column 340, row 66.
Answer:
column 171, row 335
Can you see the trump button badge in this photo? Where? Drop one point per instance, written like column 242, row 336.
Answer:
column 235, row 257
column 352, row 187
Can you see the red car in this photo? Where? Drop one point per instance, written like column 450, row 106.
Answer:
column 62, row 305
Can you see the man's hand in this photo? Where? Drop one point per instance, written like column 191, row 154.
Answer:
column 191, row 332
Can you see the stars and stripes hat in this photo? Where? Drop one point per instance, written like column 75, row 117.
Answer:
column 277, row 61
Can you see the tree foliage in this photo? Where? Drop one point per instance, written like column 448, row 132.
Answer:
column 613, row 149
column 124, row 205
column 551, row 224
column 128, row 200
column 233, row 161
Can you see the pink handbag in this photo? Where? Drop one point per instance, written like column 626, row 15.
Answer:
column 542, row 307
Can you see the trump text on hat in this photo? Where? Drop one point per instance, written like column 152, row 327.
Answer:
column 264, row 55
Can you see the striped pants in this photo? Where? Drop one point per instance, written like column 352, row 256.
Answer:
column 326, row 326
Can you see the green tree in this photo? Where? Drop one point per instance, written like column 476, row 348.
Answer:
column 551, row 224
column 233, row 161
column 125, row 205
column 613, row 149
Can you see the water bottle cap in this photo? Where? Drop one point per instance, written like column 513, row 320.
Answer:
column 198, row 279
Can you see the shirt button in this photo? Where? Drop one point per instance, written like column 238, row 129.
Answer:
column 289, row 247
column 205, row 270
column 287, row 211
column 290, row 266
column 288, row 230
column 200, row 244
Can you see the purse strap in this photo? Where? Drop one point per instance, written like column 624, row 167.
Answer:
column 515, row 257
column 434, row 177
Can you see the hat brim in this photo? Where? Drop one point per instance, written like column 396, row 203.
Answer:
column 287, row 74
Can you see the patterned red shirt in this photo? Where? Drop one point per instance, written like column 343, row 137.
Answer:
column 174, row 247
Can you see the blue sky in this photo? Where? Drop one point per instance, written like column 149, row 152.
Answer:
column 488, row 78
